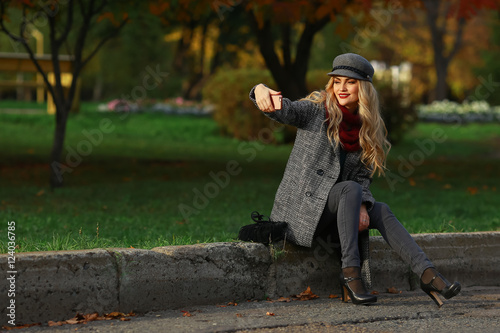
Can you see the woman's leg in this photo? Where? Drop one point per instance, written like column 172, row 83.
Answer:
column 398, row 238
column 341, row 217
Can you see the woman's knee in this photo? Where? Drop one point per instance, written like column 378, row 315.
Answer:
column 351, row 186
column 379, row 210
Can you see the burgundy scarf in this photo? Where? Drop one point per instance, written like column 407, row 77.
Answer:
column 349, row 129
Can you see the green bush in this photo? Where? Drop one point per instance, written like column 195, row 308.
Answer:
column 234, row 112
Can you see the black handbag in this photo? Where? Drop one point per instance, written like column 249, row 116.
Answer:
column 263, row 230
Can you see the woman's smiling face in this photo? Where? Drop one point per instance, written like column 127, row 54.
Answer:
column 346, row 90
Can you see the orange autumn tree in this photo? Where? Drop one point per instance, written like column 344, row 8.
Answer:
column 406, row 37
column 447, row 19
column 195, row 27
column 285, row 32
column 70, row 24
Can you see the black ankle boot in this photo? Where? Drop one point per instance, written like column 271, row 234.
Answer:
column 352, row 286
column 439, row 285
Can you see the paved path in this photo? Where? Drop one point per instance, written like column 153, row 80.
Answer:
column 475, row 309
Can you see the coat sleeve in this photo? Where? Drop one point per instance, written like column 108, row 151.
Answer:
column 297, row 113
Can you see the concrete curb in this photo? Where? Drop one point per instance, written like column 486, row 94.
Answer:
column 56, row 285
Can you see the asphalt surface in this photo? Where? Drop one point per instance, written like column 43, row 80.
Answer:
column 475, row 309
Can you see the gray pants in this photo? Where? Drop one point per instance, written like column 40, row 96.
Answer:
column 341, row 219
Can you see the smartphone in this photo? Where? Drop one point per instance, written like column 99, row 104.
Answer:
column 277, row 100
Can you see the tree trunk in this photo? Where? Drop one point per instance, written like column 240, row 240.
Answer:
column 291, row 85
column 289, row 76
column 441, row 89
column 438, row 31
column 57, row 169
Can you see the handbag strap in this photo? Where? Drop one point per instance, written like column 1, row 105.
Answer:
column 259, row 218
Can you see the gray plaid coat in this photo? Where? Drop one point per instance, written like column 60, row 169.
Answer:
column 312, row 169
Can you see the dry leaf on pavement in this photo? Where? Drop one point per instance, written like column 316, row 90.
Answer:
column 393, row 290
column 306, row 295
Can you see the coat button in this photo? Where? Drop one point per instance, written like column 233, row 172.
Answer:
column 320, row 172
column 308, row 194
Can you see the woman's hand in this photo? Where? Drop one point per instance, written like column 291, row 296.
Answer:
column 263, row 98
column 364, row 219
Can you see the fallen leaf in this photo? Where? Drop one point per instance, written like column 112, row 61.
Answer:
column 239, row 315
column 187, row 314
column 85, row 318
column 306, row 295
column 270, row 313
column 91, row 317
column 54, row 323
column 374, row 292
column 232, row 304
column 72, row 321
column 333, row 296
column 283, row 299
column 393, row 290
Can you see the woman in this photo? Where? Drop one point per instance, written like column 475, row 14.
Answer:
column 341, row 143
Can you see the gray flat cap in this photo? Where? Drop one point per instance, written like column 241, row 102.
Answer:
column 352, row 65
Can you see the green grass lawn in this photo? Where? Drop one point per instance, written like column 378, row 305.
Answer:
column 129, row 187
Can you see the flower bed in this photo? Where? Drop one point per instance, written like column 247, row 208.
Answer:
column 168, row 106
column 448, row 111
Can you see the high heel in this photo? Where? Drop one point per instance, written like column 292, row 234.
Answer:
column 449, row 291
column 357, row 298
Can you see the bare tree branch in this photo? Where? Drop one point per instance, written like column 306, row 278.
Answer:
column 24, row 42
column 104, row 40
column 69, row 24
column 458, row 39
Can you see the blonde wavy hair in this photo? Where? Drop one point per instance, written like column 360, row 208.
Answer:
column 373, row 133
